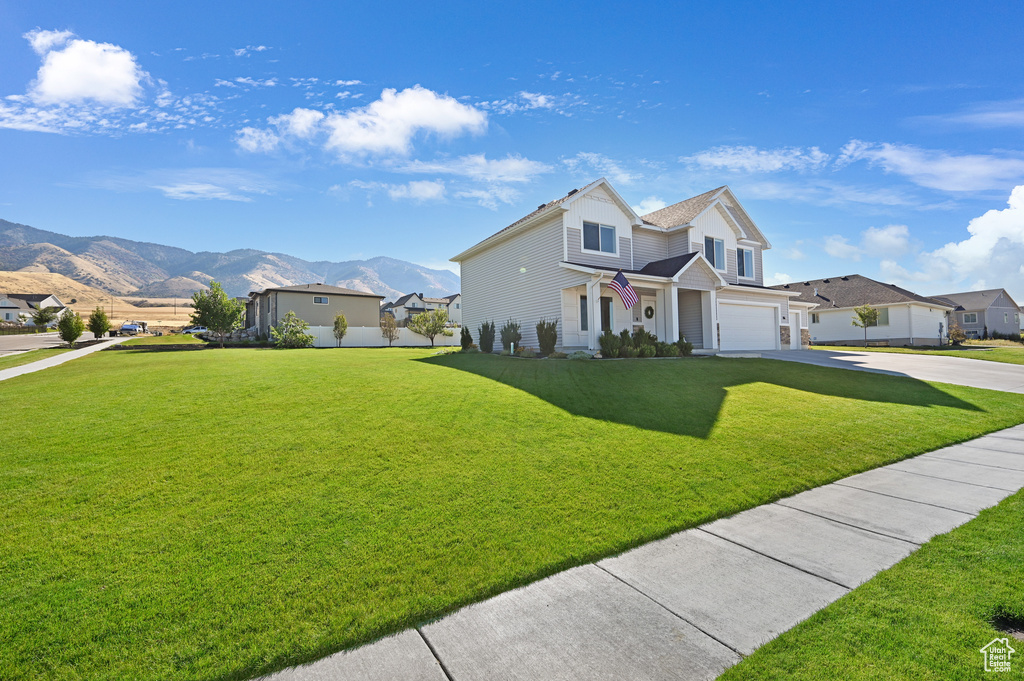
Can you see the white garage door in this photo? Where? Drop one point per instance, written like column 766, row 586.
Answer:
column 748, row 327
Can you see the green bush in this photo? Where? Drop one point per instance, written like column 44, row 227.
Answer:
column 628, row 352
column 547, row 336
column 647, row 350
column 526, row 352
column 510, row 334
column 557, row 355
column 581, row 354
column 642, row 337
column 486, row 336
column 685, row 347
column 70, row 327
column 465, row 339
column 666, row 350
column 625, row 340
column 610, row 344
column 290, row 332
column 506, row 353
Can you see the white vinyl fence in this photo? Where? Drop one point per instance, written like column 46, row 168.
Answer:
column 369, row 337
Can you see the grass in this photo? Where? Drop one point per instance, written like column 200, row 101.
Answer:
column 925, row 618
column 228, row 513
column 1007, row 352
column 167, row 339
column 10, row 361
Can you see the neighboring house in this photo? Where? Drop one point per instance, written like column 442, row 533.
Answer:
column 979, row 311
column 18, row 307
column 412, row 304
column 316, row 304
column 1020, row 316
column 454, row 309
column 695, row 265
column 904, row 317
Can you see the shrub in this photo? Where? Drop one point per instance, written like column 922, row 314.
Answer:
column 666, row 350
column 956, row 334
column 642, row 337
column 984, row 333
column 472, row 348
column 430, row 324
column 486, row 337
column 290, row 332
column 610, row 344
column 526, row 352
column 557, row 355
column 70, row 327
column 547, row 336
column 646, row 350
column 99, row 324
column 510, row 334
column 625, row 340
column 685, row 347
column 389, row 329
column 465, row 339
column 581, row 354
column 340, row 327
column 628, row 352
column 506, row 353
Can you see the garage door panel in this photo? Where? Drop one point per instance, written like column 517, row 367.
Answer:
column 748, row 327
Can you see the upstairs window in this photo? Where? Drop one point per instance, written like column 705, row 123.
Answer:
column 970, row 318
column 745, row 263
column 319, row 300
column 714, row 251
column 599, row 238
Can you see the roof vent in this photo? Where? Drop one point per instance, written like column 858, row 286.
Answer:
column 785, row 286
column 572, row 192
column 845, row 278
column 824, row 281
column 807, row 283
column 815, row 290
column 541, row 206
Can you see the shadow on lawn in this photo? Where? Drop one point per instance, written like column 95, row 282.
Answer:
column 683, row 397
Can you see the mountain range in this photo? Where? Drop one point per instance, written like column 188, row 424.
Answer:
column 141, row 269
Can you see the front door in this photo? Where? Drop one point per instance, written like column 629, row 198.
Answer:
column 649, row 314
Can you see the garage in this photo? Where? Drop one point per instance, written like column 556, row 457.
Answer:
column 747, row 327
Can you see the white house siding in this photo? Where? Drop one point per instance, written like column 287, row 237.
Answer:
column 753, row 296
column 836, row 326
column 520, row 279
column 925, row 324
column 691, row 325
column 598, row 206
column 648, row 246
column 678, row 244
column 713, row 224
column 455, row 311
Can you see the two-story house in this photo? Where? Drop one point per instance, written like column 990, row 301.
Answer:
column 696, row 267
column 412, row 304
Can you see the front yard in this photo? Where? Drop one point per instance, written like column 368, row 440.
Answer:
column 992, row 351
column 222, row 514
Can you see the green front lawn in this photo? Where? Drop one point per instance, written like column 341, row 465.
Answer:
column 222, row 514
column 9, row 361
column 1008, row 353
column 925, row 618
column 168, row 339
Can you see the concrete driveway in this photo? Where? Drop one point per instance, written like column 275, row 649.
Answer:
column 28, row 341
column 975, row 373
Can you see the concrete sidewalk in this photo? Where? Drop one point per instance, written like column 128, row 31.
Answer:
column 691, row 605
column 975, row 373
column 56, row 360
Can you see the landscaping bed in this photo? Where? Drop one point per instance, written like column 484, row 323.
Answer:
column 263, row 509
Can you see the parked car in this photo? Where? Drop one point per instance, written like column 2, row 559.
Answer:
column 196, row 329
column 130, row 328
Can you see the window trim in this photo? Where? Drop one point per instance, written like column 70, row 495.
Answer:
column 971, row 314
column 879, row 321
column 741, row 260
column 815, row 319
column 714, row 260
column 600, row 231
column 321, row 300
column 584, row 314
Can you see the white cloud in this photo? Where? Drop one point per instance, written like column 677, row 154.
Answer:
column 192, row 191
column 889, row 241
column 490, row 197
column 936, row 169
column 249, row 49
column 753, row 160
column 589, row 163
column 44, row 41
column 985, row 115
column 301, row 122
column 347, row 83
column 839, row 247
column 649, row 205
column 256, row 140
column 825, row 193
column 419, row 191
column 793, row 253
column 389, row 124
column 84, row 70
column 777, row 279
column 536, row 101
column 996, row 244
column 479, row 167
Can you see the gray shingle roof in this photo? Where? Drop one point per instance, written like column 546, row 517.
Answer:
column 973, row 300
column 853, row 290
column 667, row 267
column 323, row 288
column 681, row 213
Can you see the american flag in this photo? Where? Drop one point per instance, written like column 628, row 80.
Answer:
column 625, row 291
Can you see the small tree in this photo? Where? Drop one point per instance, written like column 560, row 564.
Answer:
column 290, row 332
column 547, row 336
column 70, row 327
column 340, row 327
column 99, row 324
column 389, row 328
column 510, row 334
column 216, row 311
column 430, row 324
column 43, row 316
column 956, row 334
column 465, row 339
column 486, row 337
column 866, row 316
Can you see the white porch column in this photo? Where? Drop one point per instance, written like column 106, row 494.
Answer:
column 593, row 312
column 672, row 314
column 910, row 322
column 709, row 319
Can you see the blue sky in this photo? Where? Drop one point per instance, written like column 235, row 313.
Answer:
column 878, row 138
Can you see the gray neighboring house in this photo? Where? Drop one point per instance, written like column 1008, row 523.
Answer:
column 18, row 307
column 316, row 304
column 905, row 318
column 976, row 312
